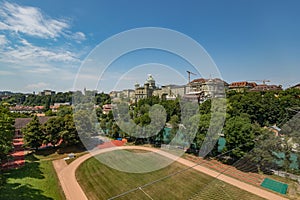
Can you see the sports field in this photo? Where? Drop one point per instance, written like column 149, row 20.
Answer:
column 101, row 182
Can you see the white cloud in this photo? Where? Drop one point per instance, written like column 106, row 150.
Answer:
column 30, row 21
column 35, row 46
column 5, row 73
column 26, row 54
column 40, row 85
column 78, row 36
column 3, row 40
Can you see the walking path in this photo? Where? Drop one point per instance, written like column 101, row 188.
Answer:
column 73, row 191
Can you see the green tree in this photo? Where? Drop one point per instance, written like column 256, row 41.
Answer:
column 103, row 125
column 6, row 132
column 69, row 133
column 52, row 129
column 49, row 113
column 174, row 122
column 262, row 154
column 64, row 110
column 239, row 135
column 33, row 134
column 114, row 132
column 202, row 129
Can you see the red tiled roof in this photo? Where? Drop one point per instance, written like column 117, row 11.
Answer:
column 264, row 87
column 201, row 80
column 26, row 108
column 242, row 84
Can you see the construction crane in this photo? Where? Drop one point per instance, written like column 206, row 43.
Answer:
column 189, row 75
column 263, row 81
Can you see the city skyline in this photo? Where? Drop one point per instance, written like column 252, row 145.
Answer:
column 43, row 44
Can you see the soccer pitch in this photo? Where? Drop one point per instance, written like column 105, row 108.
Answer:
column 102, row 182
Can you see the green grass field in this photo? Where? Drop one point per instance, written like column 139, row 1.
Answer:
column 36, row 180
column 102, row 182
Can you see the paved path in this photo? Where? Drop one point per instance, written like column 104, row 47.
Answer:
column 73, row 191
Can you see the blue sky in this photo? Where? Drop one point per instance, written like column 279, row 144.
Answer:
column 43, row 43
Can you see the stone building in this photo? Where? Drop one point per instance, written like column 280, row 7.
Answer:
column 47, row 93
column 265, row 87
column 171, row 92
column 208, row 88
column 145, row 91
column 242, row 86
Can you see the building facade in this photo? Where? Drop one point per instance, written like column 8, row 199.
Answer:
column 241, row 86
column 202, row 89
column 171, row 92
column 145, row 91
column 47, row 93
column 265, row 88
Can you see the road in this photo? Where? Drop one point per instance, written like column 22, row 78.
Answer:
column 73, row 191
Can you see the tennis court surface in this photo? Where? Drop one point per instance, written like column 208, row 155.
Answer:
column 275, row 186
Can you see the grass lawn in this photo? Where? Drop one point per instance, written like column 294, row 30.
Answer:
column 36, row 180
column 102, row 182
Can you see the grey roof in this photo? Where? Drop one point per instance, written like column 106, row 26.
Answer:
column 22, row 122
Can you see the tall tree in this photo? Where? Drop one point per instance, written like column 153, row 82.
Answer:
column 52, row 129
column 33, row 134
column 69, row 133
column 262, row 154
column 6, row 132
column 239, row 135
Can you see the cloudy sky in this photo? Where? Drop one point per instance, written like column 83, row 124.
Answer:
column 44, row 43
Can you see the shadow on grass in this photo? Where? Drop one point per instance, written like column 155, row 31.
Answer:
column 31, row 169
column 13, row 191
column 46, row 151
column 71, row 149
column 59, row 150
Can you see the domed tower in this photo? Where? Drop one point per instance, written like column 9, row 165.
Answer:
column 151, row 81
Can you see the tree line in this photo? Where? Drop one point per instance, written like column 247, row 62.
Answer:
column 48, row 100
column 248, row 119
column 6, row 137
column 247, row 116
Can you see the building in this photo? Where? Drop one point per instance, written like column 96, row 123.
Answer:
column 127, row 95
column 296, row 86
column 106, row 108
column 47, row 93
column 56, row 106
column 241, row 86
column 275, row 129
column 21, row 123
column 265, row 87
column 145, row 91
column 26, row 109
column 202, row 89
column 170, row 92
column 197, row 90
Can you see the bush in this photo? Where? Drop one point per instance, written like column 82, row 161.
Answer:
column 2, row 179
